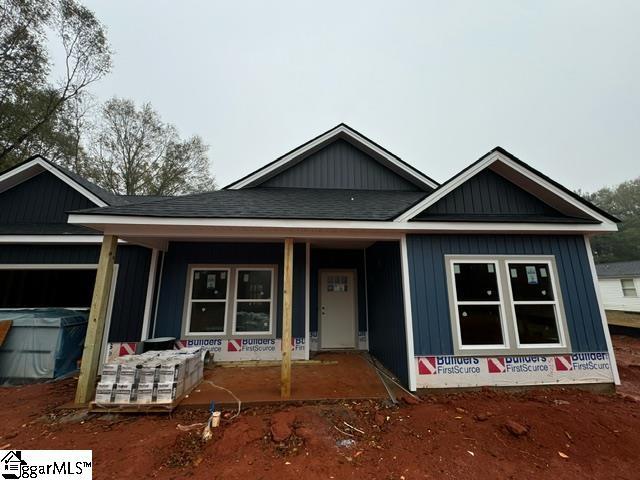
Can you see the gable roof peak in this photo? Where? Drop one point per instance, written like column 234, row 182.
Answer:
column 340, row 131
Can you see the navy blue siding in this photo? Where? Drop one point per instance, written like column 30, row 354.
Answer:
column 429, row 293
column 489, row 193
column 181, row 254
column 387, row 333
column 133, row 269
column 41, row 199
column 347, row 259
column 340, row 165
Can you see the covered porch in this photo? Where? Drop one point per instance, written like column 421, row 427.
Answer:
column 245, row 298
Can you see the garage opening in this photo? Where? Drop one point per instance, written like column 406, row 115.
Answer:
column 46, row 288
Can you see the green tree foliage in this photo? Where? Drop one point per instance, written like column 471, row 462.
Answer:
column 133, row 152
column 623, row 201
column 33, row 111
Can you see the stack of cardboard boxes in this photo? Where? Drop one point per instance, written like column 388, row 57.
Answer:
column 158, row 377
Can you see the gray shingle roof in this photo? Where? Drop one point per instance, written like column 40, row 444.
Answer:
column 619, row 269
column 287, row 203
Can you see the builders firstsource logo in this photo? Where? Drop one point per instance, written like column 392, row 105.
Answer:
column 526, row 364
column 252, row 345
column 582, row 362
column 448, row 365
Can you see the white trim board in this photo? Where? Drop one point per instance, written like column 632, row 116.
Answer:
column 340, row 130
column 45, row 239
column 146, row 317
column 408, row 316
column 603, row 315
column 36, row 166
column 174, row 227
column 489, row 160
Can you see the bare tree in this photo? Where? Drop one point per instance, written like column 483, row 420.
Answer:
column 87, row 58
column 134, row 153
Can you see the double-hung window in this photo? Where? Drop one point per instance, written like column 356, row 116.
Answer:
column 505, row 304
column 254, row 301
column 535, row 305
column 207, row 310
column 478, row 308
column 230, row 300
column 628, row 287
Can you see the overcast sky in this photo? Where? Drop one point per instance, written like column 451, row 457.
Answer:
column 557, row 83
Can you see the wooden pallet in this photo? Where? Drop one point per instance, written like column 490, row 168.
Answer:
column 140, row 408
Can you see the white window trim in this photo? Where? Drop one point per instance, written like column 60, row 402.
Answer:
column 250, row 300
column 559, row 318
column 500, row 303
column 509, row 324
column 191, row 301
column 632, row 288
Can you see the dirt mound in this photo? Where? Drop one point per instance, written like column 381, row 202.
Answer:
column 570, row 434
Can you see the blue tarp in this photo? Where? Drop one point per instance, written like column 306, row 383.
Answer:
column 42, row 343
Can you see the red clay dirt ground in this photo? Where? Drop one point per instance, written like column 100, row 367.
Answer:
column 565, row 434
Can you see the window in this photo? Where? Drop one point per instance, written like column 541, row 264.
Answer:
column 534, row 303
column 208, row 302
column 628, row 287
column 508, row 304
column 228, row 300
column 478, row 309
column 253, row 301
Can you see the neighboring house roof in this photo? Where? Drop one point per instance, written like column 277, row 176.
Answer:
column 287, row 203
column 618, row 269
column 344, row 132
column 526, row 177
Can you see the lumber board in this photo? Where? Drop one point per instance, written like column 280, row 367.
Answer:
column 97, row 319
column 285, row 377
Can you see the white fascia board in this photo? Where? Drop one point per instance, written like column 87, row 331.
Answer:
column 58, row 239
column 113, row 224
column 486, row 162
column 341, row 129
column 23, row 172
column 38, row 162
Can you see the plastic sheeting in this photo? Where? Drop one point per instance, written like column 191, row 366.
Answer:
column 41, row 344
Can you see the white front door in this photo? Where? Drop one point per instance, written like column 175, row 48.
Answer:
column 337, row 309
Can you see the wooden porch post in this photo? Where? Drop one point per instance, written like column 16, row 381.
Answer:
column 97, row 315
column 285, row 378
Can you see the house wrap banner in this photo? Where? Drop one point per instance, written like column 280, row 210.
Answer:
column 453, row 371
column 225, row 350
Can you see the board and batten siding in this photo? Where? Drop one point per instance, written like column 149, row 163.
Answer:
column 43, row 198
column 180, row 255
column 488, row 193
column 131, row 284
column 387, row 335
column 614, row 299
column 429, row 289
column 340, row 165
